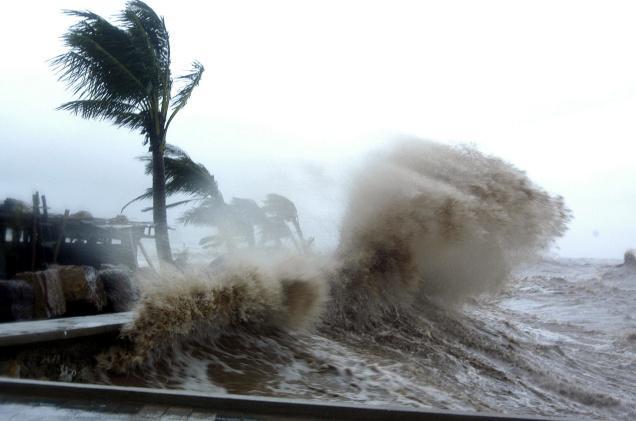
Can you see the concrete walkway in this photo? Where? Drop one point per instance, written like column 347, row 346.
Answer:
column 20, row 333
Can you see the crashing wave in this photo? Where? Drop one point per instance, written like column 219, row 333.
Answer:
column 424, row 222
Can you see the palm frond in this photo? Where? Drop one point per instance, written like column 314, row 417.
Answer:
column 173, row 151
column 188, row 177
column 145, row 25
column 171, row 205
column 209, row 213
column 146, row 195
column 183, row 176
column 280, row 207
column 248, row 210
column 191, row 81
column 128, row 65
column 149, row 35
column 122, row 114
column 101, row 61
column 181, row 202
column 275, row 230
column 170, row 151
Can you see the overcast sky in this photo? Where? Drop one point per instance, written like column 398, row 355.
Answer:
column 295, row 92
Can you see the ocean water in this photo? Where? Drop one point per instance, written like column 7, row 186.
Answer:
column 434, row 297
column 560, row 340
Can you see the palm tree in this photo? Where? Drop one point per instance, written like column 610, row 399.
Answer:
column 239, row 222
column 279, row 208
column 122, row 74
column 235, row 222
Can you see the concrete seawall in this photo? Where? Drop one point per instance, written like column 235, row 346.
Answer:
column 22, row 333
column 83, row 400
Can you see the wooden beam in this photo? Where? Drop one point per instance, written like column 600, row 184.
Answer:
column 60, row 237
column 143, row 251
column 34, row 232
column 45, row 212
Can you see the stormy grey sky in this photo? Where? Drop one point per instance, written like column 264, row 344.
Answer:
column 296, row 92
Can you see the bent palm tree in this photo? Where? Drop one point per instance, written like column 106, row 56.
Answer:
column 122, row 73
column 242, row 219
column 280, row 208
column 235, row 222
column 238, row 222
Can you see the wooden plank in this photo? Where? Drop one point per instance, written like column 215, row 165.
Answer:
column 20, row 333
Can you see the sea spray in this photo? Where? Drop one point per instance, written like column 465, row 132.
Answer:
column 246, row 295
column 425, row 224
column 436, row 222
column 427, row 227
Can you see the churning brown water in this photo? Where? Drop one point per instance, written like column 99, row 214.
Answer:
column 433, row 298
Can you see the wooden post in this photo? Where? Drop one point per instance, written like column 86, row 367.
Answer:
column 45, row 212
column 45, row 230
column 61, row 237
column 34, row 233
column 143, row 251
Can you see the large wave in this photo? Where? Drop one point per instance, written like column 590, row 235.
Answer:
column 431, row 221
column 424, row 222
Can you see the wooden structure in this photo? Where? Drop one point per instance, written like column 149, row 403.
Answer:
column 31, row 238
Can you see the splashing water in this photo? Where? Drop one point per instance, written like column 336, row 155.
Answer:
column 413, row 306
column 429, row 220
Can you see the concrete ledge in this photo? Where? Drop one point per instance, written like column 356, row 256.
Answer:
column 246, row 405
column 20, row 333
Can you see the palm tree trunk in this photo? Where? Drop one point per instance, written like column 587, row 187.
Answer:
column 159, row 213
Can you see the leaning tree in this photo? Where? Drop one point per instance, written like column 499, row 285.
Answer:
column 241, row 221
column 122, row 73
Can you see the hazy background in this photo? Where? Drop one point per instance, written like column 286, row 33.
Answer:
column 295, row 93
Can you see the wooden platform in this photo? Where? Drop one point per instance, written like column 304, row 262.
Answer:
column 21, row 333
